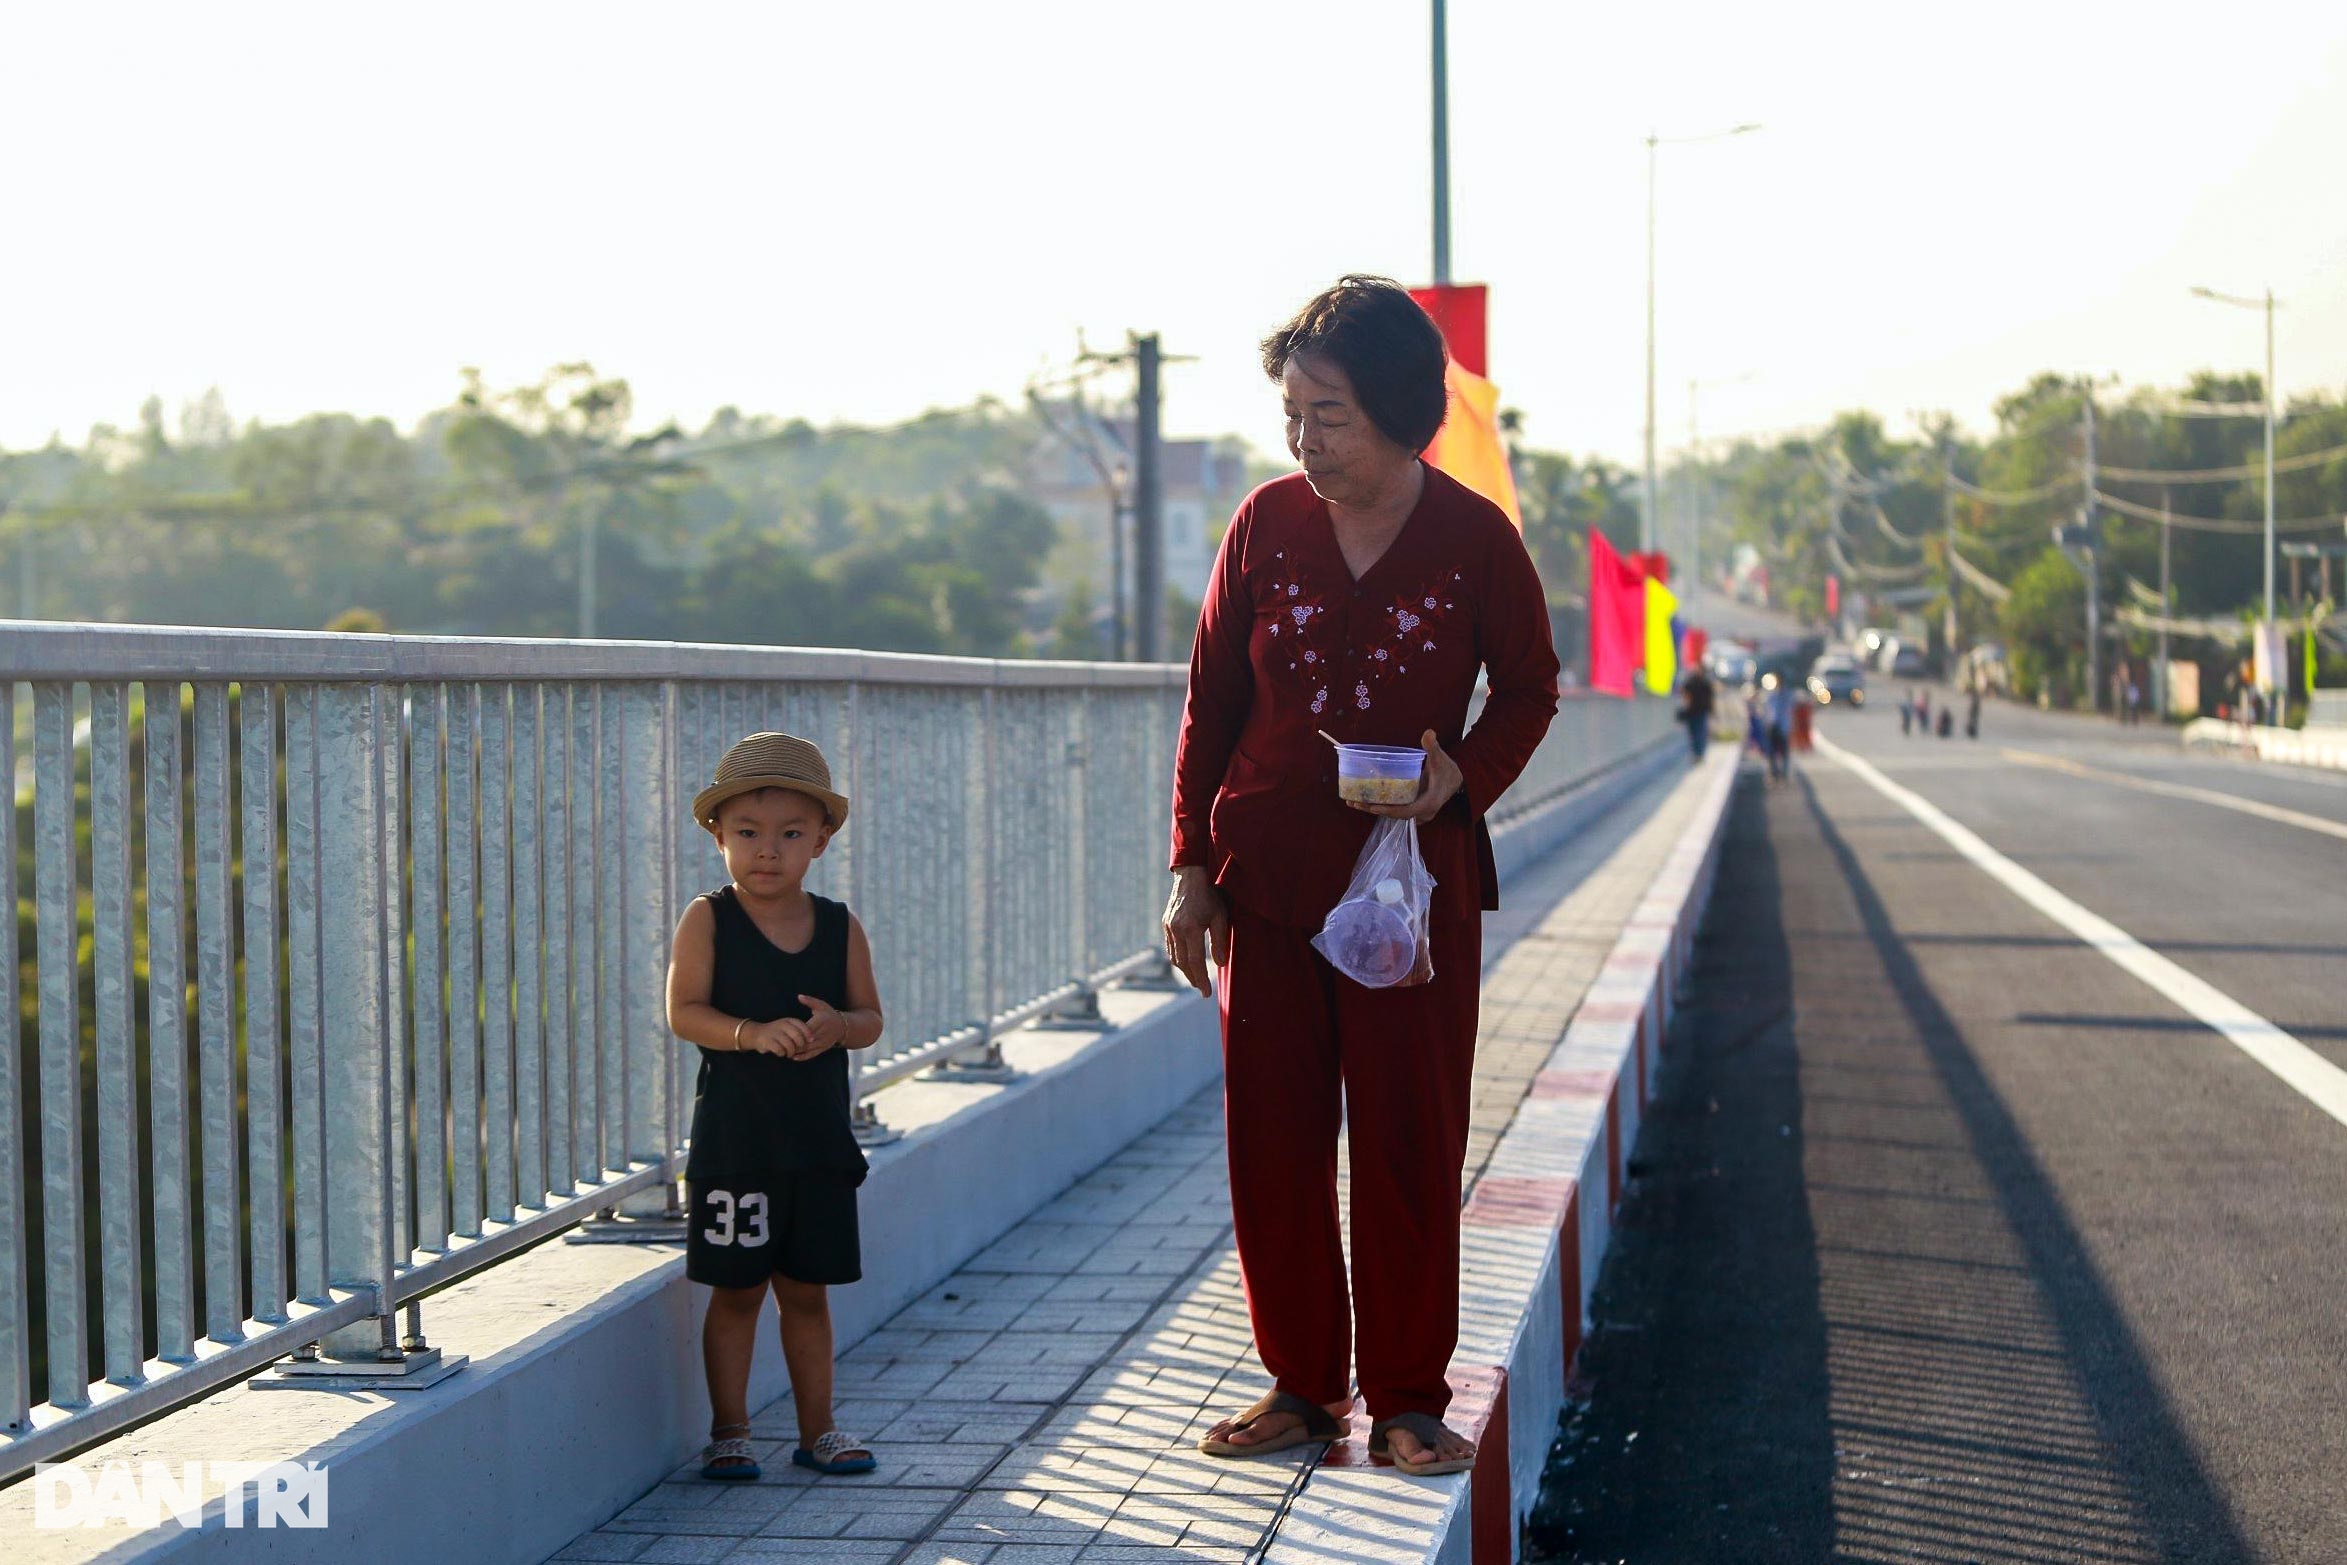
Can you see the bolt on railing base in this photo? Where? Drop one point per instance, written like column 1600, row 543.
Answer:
column 981, row 1064
column 1158, row 976
column 403, row 1371
column 870, row 1132
column 1079, row 1012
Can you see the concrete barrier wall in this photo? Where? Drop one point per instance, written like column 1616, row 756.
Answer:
column 2317, row 744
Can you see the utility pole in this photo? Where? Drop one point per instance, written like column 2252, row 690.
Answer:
column 2094, row 571
column 28, row 590
column 1693, row 575
column 586, row 573
column 1442, row 151
column 2167, row 604
column 1148, row 504
column 1948, row 624
column 2278, row 698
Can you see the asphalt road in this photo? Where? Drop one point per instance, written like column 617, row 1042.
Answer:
column 1950, row 1239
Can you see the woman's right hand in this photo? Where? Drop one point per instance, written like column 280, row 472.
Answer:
column 1197, row 927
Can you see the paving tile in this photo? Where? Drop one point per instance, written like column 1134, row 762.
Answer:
column 902, row 1514
column 687, row 1551
column 828, row 1551
column 1028, row 1516
column 952, row 1554
column 606, row 1546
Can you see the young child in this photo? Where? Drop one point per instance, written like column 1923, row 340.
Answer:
column 775, row 986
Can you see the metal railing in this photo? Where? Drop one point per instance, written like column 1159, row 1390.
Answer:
column 349, row 978
column 1589, row 734
column 349, row 953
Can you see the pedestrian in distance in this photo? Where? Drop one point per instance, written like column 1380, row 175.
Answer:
column 774, row 985
column 1923, row 711
column 1907, row 713
column 1360, row 595
column 1695, row 703
column 1972, row 713
column 1947, row 720
column 1777, row 700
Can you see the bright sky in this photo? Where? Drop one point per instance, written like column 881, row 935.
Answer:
column 858, row 211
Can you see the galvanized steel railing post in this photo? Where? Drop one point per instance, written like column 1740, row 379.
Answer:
column 353, row 1018
column 63, row 1262
column 16, row 1369
column 643, row 852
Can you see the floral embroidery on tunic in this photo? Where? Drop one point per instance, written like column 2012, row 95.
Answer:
column 1291, row 611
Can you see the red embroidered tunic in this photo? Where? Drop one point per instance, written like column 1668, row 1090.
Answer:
column 1289, row 643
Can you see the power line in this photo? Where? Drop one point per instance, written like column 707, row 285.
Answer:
column 2216, row 475
column 2214, row 524
column 1995, row 590
column 2013, row 496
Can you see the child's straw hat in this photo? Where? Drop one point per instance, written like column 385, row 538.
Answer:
column 771, row 761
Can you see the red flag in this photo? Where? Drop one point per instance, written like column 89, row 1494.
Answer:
column 1617, row 618
column 1459, row 310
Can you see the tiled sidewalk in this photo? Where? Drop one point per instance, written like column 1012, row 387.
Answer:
column 1043, row 1406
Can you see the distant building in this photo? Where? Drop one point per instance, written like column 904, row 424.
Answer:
column 1202, row 481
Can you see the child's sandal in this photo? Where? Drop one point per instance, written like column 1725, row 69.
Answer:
column 831, row 1456
column 734, row 1452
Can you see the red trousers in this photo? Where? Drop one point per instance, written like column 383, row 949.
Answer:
column 1305, row 1049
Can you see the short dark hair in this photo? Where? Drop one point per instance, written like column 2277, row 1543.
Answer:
column 1388, row 347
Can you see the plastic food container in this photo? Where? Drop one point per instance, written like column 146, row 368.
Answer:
column 1378, row 773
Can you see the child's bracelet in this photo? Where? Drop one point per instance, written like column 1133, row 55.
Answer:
column 737, row 1032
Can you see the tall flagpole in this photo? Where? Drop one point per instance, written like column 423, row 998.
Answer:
column 1442, row 153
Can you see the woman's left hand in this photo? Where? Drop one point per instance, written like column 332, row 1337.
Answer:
column 1439, row 782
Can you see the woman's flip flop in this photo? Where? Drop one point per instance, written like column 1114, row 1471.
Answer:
column 1429, row 1431
column 1316, row 1425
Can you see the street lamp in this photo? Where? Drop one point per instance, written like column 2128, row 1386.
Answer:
column 2272, row 398
column 1646, row 522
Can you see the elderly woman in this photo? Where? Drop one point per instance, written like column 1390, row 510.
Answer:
column 1359, row 596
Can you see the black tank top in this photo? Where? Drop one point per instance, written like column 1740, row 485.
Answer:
column 753, row 1113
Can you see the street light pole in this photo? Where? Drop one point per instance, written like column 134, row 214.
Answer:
column 1646, row 516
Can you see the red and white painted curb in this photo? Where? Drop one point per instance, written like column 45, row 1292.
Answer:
column 1534, row 1231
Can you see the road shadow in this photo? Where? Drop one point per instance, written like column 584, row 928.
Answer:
column 2030, row 1385
column 1705, row 1437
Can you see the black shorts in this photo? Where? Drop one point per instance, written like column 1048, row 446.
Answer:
column 800, row 1223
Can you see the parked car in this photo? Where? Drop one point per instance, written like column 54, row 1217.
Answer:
column 1732, row 664
column 1908, row 662
column 1837, row 677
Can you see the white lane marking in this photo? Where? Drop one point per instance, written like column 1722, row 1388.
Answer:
column 2308, row 1073
column 2223, row 801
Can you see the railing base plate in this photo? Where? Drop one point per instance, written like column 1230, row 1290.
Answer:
column 629, row 1230
column 975, row 1070
column 416, row 1370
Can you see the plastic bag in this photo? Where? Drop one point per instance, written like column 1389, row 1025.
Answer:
column 1376, row 935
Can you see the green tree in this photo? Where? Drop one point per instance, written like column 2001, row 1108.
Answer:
column 2045, row 628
